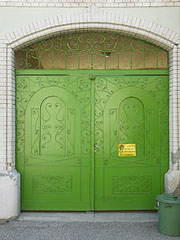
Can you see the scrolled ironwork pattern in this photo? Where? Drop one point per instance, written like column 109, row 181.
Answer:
column 52, row 184
column 132, row 184
column 92, row 50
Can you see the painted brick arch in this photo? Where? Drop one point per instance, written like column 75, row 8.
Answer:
column 92, row 18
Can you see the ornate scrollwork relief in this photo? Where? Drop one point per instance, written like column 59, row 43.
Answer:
column 91, row 50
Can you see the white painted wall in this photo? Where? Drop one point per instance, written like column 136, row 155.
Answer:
column 87, row 3
column 12, row 18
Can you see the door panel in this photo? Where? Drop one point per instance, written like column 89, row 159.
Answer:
column 130, row 110
column 58, row 121
column 54, row 141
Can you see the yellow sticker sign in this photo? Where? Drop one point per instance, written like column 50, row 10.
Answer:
column 126, row 150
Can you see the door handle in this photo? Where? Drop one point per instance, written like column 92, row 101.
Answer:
column 97, row 146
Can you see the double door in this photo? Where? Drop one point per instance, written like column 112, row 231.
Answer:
column 69, row 128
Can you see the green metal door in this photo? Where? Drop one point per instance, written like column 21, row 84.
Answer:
column 130, row 109
column 68, row 131
column 54, row 141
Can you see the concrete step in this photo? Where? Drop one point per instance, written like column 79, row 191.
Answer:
column 140, row 216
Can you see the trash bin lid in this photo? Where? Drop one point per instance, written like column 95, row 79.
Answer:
column 168, row 198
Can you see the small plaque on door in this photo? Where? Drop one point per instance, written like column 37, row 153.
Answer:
column 126, row 150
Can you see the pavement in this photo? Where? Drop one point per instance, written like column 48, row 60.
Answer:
column 83, row 226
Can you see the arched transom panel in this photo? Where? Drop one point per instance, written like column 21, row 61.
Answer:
column 92, row 50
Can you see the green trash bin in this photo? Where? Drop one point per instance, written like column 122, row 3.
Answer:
column 168, row 206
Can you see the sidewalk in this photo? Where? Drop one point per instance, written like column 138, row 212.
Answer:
column 83, row 226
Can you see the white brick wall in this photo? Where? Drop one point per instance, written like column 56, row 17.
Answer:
column 173, row 103
column 87, row 3
column 178, row 90
column 3, row 105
